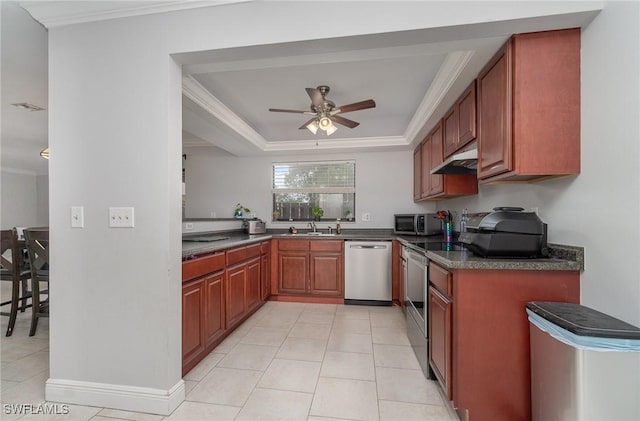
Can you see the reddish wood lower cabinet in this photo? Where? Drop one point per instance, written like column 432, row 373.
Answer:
column 254, row 291
column 193, row 302
column 236, row 284
column 490, row 371
column 265, row 269
column 220, row 290
column 293, row 269
column 326, row 274
column 440, row 309
column 310, row 269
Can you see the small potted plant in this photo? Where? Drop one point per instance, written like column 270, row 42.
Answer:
column 348, row 215
column 317, row 213
column 276, row 215
column 240, row 211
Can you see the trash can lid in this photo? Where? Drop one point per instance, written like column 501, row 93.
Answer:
column 584, row 321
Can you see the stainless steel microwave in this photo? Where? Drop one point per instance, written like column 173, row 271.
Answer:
column 417, row 224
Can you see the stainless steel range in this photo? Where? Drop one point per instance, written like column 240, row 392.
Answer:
column 416, row 292
column 416, row 297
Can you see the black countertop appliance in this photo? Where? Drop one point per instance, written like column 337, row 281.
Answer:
column 506, row 232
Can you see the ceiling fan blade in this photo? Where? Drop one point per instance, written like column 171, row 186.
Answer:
column 304, row 126
column 280, row 110
column 362, row 105
column 344, row 121
column 316, row 97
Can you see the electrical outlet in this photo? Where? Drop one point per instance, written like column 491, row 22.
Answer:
column 189, row 225
column 77, row 216
column 121, row 217
column 366, row 217
column 213, row 214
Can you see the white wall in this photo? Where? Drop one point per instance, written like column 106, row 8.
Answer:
column 24, row 200
column 114, row 101
column 215, row 183
column 598, row 209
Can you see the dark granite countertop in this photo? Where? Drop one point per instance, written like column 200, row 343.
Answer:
column 562, row 257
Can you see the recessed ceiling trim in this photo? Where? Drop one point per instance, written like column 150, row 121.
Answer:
column 315, row 59
column 368, row 143
column 198, row 94
column 53, row 14
column 451, row 68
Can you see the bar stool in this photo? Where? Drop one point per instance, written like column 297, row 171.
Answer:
column 12, row 269
column 37, row 240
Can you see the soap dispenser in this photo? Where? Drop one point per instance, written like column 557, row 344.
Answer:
column 338, row 228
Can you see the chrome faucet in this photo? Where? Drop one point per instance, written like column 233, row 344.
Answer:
column 313, row 226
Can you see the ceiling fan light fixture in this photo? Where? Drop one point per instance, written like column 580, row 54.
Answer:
column 331, row 130
column 313, row 127
column 325, row 123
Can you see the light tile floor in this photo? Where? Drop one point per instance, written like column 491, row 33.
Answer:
column 289, row 361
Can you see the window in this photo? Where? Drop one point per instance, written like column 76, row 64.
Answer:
column 301, row 187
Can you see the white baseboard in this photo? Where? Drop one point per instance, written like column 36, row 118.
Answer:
column 128, row 398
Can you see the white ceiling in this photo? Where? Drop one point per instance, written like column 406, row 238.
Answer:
column 413, row 76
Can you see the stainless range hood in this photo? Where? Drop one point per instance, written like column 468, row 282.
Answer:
column 460, row 163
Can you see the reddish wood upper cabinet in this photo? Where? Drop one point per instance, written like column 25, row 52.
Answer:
column 417, row 173
column 310, row 267
column 435, row 140
column 460, row 122
column 529, row 108
column 438, row 186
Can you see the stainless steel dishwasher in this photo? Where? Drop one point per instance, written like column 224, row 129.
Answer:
column 367, row 272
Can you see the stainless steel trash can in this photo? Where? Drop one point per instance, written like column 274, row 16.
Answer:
column 585, row 365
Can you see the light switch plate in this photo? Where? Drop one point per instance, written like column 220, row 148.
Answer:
column 121, row 217
column 77, row 216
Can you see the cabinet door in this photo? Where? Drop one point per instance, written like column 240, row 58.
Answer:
column 214, row 323
column 467, row 116
column 450, row 123
column 326, row 274
column 236, row 285
column 417, row 173
column 254, row 292
column 440, row 338
column 265, row 276
column 293, row 271
column 193, row 302
column 494, row 115
column 425, row 161
column 436, row 181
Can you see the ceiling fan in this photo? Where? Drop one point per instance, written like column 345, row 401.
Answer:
column 325, row 111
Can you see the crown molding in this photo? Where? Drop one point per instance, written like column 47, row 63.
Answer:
column 53, row 14
column 448, row 73
column 202, row 97
column 326, row 144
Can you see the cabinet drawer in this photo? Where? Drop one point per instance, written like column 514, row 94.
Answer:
column 293, row 245
column 265, row 247
column 200, row 266
column 236, row 255
column 253, row 250
column 326, row 245
column 441, row 279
